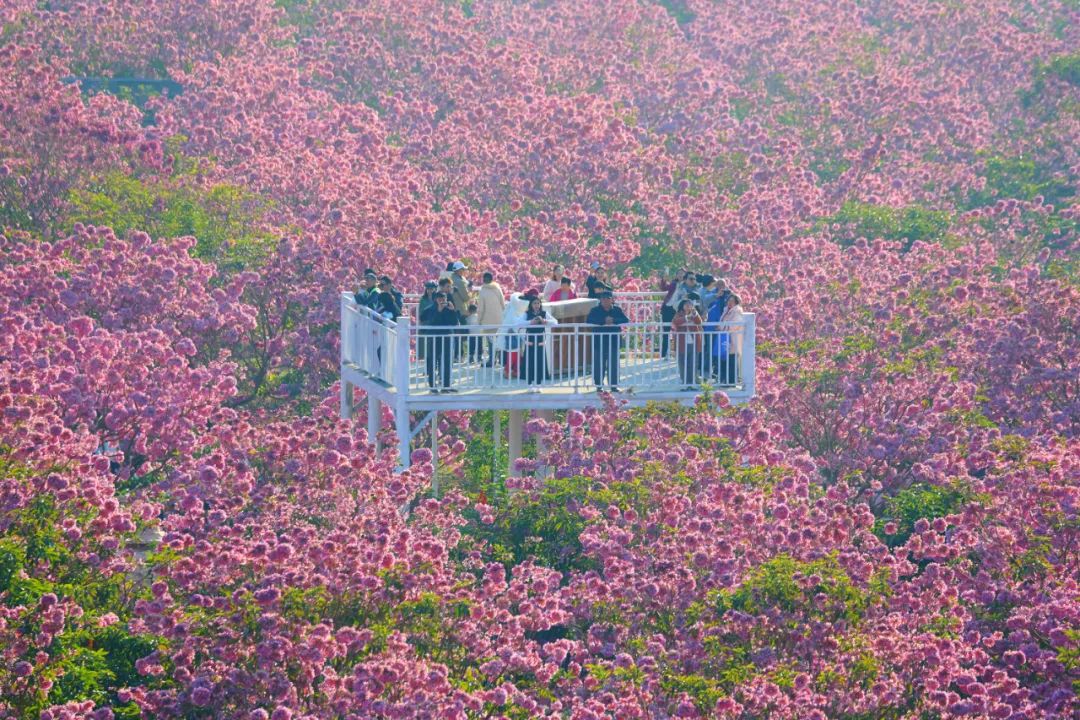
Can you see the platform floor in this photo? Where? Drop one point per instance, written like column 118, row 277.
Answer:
column 641, row 379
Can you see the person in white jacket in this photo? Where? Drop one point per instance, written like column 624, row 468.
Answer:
column 508, row 339
column 554, row 282
column 536, row 323
column 490, row 305
column 729, row 341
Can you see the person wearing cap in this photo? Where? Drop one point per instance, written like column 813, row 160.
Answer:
column 368, row 294
column 607, row 319
column 460, row 293
column 686, row 287
column 438, row 327
column 597, row 281
column 489, row 311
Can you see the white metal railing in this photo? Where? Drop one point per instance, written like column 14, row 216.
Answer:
column 368, row 340
column 574, row 357
column 411, row 358
column 638, row 306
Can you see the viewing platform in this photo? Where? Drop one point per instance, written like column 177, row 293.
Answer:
column 393, row 363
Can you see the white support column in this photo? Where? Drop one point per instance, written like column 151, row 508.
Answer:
column 346, row 400
column 435, row 452
column 346, row 410
column 749, row 349
column 516, row 423
column 401, row 389
column 374, row 420
column 541, row 446
column 401, row 425
column 496, row 437
column 549, row 416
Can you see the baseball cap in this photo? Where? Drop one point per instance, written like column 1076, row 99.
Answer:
column 458, row 266
column 431, row 284
column 606, row 294
column 595, row 264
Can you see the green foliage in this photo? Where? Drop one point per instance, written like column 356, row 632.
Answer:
column 679, row 10
column 226, row 220
column 544, row 526
column 483, row 471
column 1069, row 657
column 920, row 501
column 829, row 165
column 87, row 660
column 1022, row 178
column 1066, row 67
column 906, row 224
column 657, row 259
column 782, row 583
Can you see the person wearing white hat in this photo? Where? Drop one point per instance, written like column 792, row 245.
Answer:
column 461, row 290
column 597, row 281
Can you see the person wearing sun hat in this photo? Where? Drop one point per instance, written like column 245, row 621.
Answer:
column 460, row 293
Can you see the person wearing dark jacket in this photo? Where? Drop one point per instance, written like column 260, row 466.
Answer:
column 395, row 303
column 438, row 325
column 427, row 300
column 368, row 294
column 597, row 281
column 667, row 310
column 607, row 318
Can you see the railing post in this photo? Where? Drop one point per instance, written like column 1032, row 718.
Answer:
column 435, row 453
column 374, row 420
column 496, row 441
column 516, row 422
column 346, row 410
column 749, row 364
column 401, row 390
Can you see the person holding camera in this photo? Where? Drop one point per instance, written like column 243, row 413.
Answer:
column 438, row 327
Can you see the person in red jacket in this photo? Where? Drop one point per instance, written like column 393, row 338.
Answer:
column 686, row 337
column 565, row 292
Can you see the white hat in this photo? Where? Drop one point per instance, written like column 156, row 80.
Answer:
column 458, row 266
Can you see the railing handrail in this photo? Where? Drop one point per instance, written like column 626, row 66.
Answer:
column 373, row 345
column 706, row 324
column 414, row 297
column 349, row 301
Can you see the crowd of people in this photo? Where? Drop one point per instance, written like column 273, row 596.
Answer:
column 459, row 321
